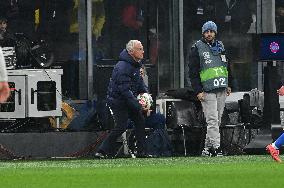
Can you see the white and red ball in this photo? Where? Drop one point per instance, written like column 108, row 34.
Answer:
column 145, row 100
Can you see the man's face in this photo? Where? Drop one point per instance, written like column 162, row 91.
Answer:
column 3, row 26
column 209, row 35
column 138, row 52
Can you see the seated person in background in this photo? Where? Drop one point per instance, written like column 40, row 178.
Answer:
column 6, row 37
column 8, row 43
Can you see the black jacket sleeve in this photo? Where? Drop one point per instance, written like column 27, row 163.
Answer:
column 124, row 84
column 194, row 70
column 230, row 77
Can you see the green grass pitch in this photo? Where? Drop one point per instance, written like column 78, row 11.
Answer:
column 231, row 171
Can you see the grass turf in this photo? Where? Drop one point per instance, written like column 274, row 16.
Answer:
column 233, row 171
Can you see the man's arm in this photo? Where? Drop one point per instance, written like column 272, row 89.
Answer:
column 123, row 81
column 3, row 71
column 230, row 78
column 194, row 69
column 280, row 91
column 4, row 87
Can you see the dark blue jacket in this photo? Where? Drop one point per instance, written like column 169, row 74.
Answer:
column 126, row 83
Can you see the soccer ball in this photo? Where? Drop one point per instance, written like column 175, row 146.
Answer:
column 145, row 100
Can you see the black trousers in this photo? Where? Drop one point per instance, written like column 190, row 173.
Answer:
column 121, row 115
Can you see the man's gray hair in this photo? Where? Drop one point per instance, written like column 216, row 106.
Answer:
column 130, row 45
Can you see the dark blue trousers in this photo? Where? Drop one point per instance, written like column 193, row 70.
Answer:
column 121, row 115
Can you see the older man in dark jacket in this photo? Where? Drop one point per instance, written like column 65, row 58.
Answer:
column 125, row 85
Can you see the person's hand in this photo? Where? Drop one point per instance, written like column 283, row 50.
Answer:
column 200, row 96
column 281, row 91
column 229, row 91
column 146, row 110
column 144, row 106
column 4, row 91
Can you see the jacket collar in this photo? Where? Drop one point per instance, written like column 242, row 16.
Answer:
column 124, row 56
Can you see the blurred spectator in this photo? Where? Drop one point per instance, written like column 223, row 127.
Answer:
column 52, row 21
column 279, row 5
column 132, row 17
column 233, row 16
column 6, row 37
column 196, row 12
column 154, row 46
column 98, row 21
column 98, row 17
column 126, row 23
column 21, row 15
column 143, row 74
column 54, row 18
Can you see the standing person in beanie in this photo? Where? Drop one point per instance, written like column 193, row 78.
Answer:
column 208, row 72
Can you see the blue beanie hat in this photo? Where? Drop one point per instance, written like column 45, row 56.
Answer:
column 209, row 26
